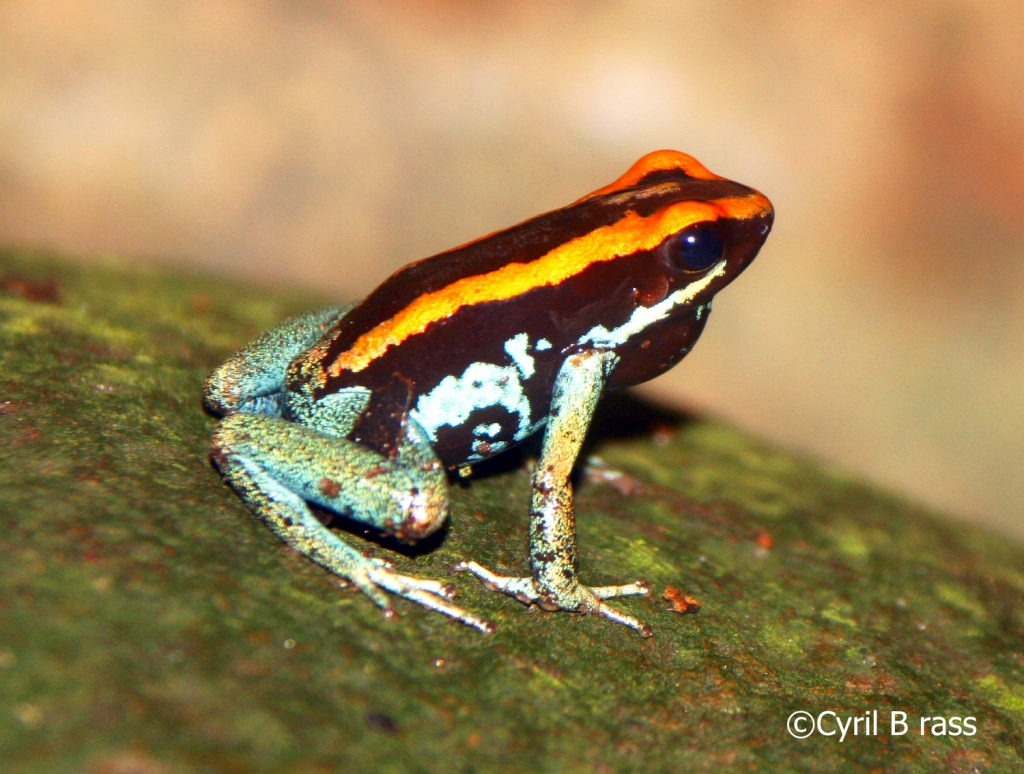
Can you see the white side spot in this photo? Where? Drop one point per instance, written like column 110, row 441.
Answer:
column 517, row 348
column 542, row 344
column 490, row 430
column 480, row 386
column 645, row 316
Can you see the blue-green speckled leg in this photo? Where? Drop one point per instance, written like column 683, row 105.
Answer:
column 276, row 466
column 252, row 381
column 554, row 585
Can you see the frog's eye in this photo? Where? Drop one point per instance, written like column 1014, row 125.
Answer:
column 697, row 247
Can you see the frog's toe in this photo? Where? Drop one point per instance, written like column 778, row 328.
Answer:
column 609, row 612
column 385, row 576
column 577, row 598
column 523, row 589
column 625, row 590
column 363, row 581
column 431, row 594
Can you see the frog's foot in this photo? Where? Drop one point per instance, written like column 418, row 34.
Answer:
column 377, row 576
column 575, row 598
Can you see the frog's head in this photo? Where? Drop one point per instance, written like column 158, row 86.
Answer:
column 690, row 229
column 682, row 235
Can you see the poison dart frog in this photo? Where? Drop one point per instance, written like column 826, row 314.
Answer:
column 455, row 358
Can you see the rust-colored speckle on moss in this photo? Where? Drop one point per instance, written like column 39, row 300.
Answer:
column 681, row 603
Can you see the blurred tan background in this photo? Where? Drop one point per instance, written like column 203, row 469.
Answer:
column 324, row 144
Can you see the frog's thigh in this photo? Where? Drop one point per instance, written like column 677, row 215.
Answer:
column 253, row 376
column 405, row 495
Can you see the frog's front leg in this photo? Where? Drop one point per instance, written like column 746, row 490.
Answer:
column 276, row 466
column 554, row 585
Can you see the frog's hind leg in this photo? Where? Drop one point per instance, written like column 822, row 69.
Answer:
column 252, row 380
column 276, row 466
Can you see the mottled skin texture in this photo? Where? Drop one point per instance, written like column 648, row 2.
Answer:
column 459, row 357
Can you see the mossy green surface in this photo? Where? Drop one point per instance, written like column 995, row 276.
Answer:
column 149, row 624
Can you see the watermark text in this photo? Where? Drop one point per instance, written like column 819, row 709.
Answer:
column 802, row 724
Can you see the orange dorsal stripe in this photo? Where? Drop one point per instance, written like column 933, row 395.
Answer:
column 656, row 161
